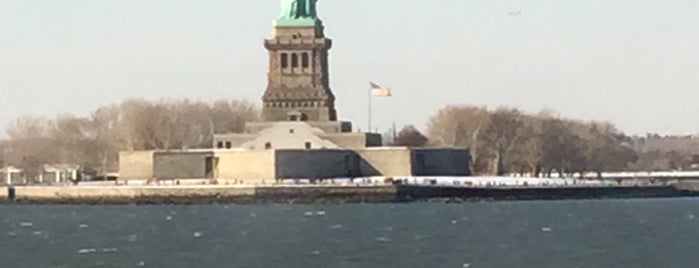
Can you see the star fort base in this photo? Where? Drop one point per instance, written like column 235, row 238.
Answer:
column 299, row 135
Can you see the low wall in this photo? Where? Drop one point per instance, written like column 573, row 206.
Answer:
column 3, row 193
column 131, row 195
column 201, row 194
column 322, row 194
column 692, row 186
column 327, row 194
column 407, row 193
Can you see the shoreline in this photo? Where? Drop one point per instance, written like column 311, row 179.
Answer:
column 324, row 194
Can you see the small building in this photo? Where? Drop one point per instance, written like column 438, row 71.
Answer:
column 49, row 174
column 11, row 176
column 59, row 173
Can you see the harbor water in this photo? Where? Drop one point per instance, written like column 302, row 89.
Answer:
column 585, row 233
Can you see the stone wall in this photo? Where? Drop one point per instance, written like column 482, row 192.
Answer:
column 236, row 139
column 298, row 76
column 180, row 165
column 321, row 194
column 325, row 194
column 316, row 164
column 440, row 162
column 355, row 140
column 136, row 164
column 202, row 194
column 129, row 194
column 295, row 135
column 325, row 126
column 290, row 135
column 390, row 162
column 252, row 165
column 247, row 165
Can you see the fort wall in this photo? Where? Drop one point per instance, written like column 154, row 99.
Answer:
column 136, row 164
column 440, row 162
column 316, row 164
column 247, row 165
column 182, row 165
column 389, row 162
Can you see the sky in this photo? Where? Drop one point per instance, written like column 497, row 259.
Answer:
column 632, row 63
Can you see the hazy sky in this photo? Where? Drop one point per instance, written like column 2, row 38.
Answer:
column 634, row 63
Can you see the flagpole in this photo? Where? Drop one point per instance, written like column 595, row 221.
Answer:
column 369, row 114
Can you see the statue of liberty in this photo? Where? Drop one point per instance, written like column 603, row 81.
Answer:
column 298, row 9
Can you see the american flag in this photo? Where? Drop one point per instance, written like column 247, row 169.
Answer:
column 379, row 91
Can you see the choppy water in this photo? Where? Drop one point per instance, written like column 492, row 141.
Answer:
column 608, row 233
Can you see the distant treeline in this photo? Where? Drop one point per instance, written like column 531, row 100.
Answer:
column 94, row 141
column 502, row 141
column 507, row 141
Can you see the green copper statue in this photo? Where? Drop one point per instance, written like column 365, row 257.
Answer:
column 297, row 9
column 298, row 13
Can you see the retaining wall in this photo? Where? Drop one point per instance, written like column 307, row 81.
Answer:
column 414, row 193
column 200, row 194
column 129, row 195
column 320, row 194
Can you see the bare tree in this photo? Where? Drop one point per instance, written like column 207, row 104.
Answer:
column 663, row 152
column 504, row 128
column 411, row 137
column 230, row 116
column 524, row 154
column 4, row 149
column 30, row 145
column 94, row 142
column 506, row 141
column 462, row 126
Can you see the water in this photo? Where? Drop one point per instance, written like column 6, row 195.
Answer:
column 607, row 233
